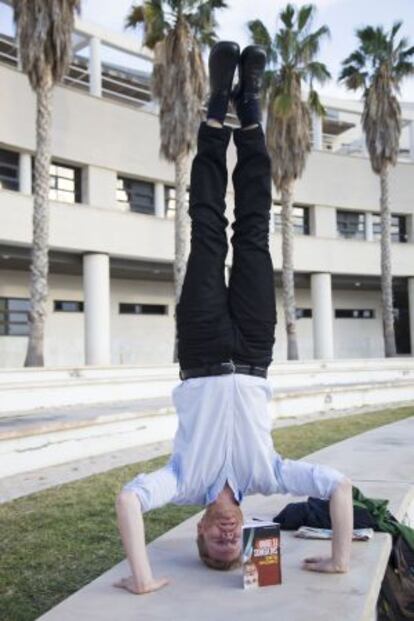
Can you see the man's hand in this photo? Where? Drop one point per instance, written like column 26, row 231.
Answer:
column 130, row 585
column 324, row 564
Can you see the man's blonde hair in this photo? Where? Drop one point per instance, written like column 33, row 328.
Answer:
column 215, row 563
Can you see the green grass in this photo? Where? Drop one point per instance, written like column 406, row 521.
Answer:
column 54, row 542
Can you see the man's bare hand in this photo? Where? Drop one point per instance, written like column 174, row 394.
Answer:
column 324, row 564
column 130, row 585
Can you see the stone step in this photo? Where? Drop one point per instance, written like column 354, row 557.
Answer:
column 30, row 442
column 27, row 389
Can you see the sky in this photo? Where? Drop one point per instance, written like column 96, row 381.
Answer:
column 341, row 16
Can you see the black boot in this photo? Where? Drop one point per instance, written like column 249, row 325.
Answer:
column 222, row 63
column 246, row 95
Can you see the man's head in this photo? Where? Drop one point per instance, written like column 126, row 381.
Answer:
column 219, row 537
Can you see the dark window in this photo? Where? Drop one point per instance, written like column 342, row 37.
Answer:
column 170, row 201
column 350, row 224
column 9, row 170
column 302, row 313
column 143, row 309
column 139, row 195
column 349, row 313
column 65, row 183
column 300, row 219
column 68, row 306
column 14, row 320
column 398, row 227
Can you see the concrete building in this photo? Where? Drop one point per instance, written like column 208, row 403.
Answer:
column 111, row 222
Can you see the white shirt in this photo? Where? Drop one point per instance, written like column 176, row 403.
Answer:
column 224, row 435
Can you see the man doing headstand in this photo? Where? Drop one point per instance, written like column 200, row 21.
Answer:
column 223, row 448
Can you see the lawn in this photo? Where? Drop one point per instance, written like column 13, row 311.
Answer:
column 56, row 541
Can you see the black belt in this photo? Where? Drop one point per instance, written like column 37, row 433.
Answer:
column 223, row 368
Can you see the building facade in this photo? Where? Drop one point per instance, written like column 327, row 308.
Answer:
column 111, row 297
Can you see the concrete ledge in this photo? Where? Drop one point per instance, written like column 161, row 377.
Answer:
column 381, row 463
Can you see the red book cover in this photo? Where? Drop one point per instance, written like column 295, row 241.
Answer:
column 261, row 555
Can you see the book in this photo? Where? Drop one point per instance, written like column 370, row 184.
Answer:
column 261, row 555
column 307, row 532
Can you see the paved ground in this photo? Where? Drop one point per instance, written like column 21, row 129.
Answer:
column 31, row 482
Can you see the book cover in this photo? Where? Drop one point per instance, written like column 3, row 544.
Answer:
column 261, row 555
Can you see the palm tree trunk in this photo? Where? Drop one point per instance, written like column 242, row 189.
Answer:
column 288, row 273
column 40, row 261
column 386, row 270
column 181, row 229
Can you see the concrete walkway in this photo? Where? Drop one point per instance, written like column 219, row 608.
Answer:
column 380, row 463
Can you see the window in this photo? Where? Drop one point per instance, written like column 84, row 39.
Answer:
column 14, row 319
column 300, row 219
column 68, row 306
column 398, row 227
column 350, row 224
column 9, row 170
column 65, row 183
column 303, row 313
column 170, row 201
column 143, row 309
column 349, row 313
column 139, row 195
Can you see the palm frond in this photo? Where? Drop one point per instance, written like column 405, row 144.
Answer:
column 288, row 129
column 260, row 36
column 151, row 16
column 356, row 58
column 305, row 15
column 317, row 71
column 315, row 103
column 353, row 77
column 287, row 15
column 44, row 30
column 309, row 46
column 403, row 69
column 203, row 22
column 283, row 105
column 395, row 28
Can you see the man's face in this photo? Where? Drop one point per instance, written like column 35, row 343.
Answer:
column 222, row 530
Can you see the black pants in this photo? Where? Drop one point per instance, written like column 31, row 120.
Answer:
column 215, row 323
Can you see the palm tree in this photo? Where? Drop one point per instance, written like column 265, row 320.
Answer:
column 378, row 66
column 292, row 62
column 178, row 31
column 44, row 29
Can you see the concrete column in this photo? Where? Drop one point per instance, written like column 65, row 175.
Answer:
column 322, row 315
column 25, row 173
column 159, row 199
column 369, row 226
column 323, row 221
column 410, row 285
column 95, row 67
column 99, row 187
column 410, row 229
column 19, row 57
column 272, row 225
column 364, row 148
column 317, row 131
column 412, row 140
column 96, row 290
